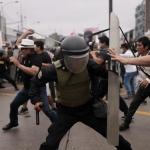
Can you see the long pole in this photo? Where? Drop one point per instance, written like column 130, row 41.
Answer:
column 21, row 17
column 113, row 80
column 110, row 9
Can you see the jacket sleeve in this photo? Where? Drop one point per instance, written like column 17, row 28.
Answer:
column 97, row 69
column 46, row 74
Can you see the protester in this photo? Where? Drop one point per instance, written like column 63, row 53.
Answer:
column 31, row 64
column 130, row 72
column 143, row 47
column 99, row 85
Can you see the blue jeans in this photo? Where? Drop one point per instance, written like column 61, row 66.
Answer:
column 21, row 98
column 129, row 82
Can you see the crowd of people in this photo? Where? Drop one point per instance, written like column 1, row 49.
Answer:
column 78, row 67
column 5, row 67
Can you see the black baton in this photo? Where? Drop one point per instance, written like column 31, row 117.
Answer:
column 37, row 115
column 37, row 118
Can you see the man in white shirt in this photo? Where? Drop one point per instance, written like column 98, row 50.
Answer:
column 143, row 46
column 130, row 72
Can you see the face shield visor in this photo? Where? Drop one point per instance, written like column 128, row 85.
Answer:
column 76, row 63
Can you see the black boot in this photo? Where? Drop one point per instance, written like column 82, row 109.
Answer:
column 1, row 86
column 44, row 147
column 9, row 126
column 124, row 126
column 15, row 86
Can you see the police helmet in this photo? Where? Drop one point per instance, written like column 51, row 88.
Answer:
column 74, row 45
column 76, row 53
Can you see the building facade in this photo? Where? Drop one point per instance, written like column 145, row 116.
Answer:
column 142, row 19
column 147, row 16
column 130, row 35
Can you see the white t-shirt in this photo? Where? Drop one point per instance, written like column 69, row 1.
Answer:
column 129, row 68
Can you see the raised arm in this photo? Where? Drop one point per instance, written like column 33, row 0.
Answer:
column 24, row 35
column 33, row 70
column 141, row 61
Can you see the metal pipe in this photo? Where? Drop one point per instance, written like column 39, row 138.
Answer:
column 110, row 9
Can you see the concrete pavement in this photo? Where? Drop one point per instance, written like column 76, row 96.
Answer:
column 28, row 136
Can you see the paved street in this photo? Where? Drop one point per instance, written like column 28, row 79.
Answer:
column 28, row 136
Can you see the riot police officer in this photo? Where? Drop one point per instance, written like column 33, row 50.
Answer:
column 72, row 77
